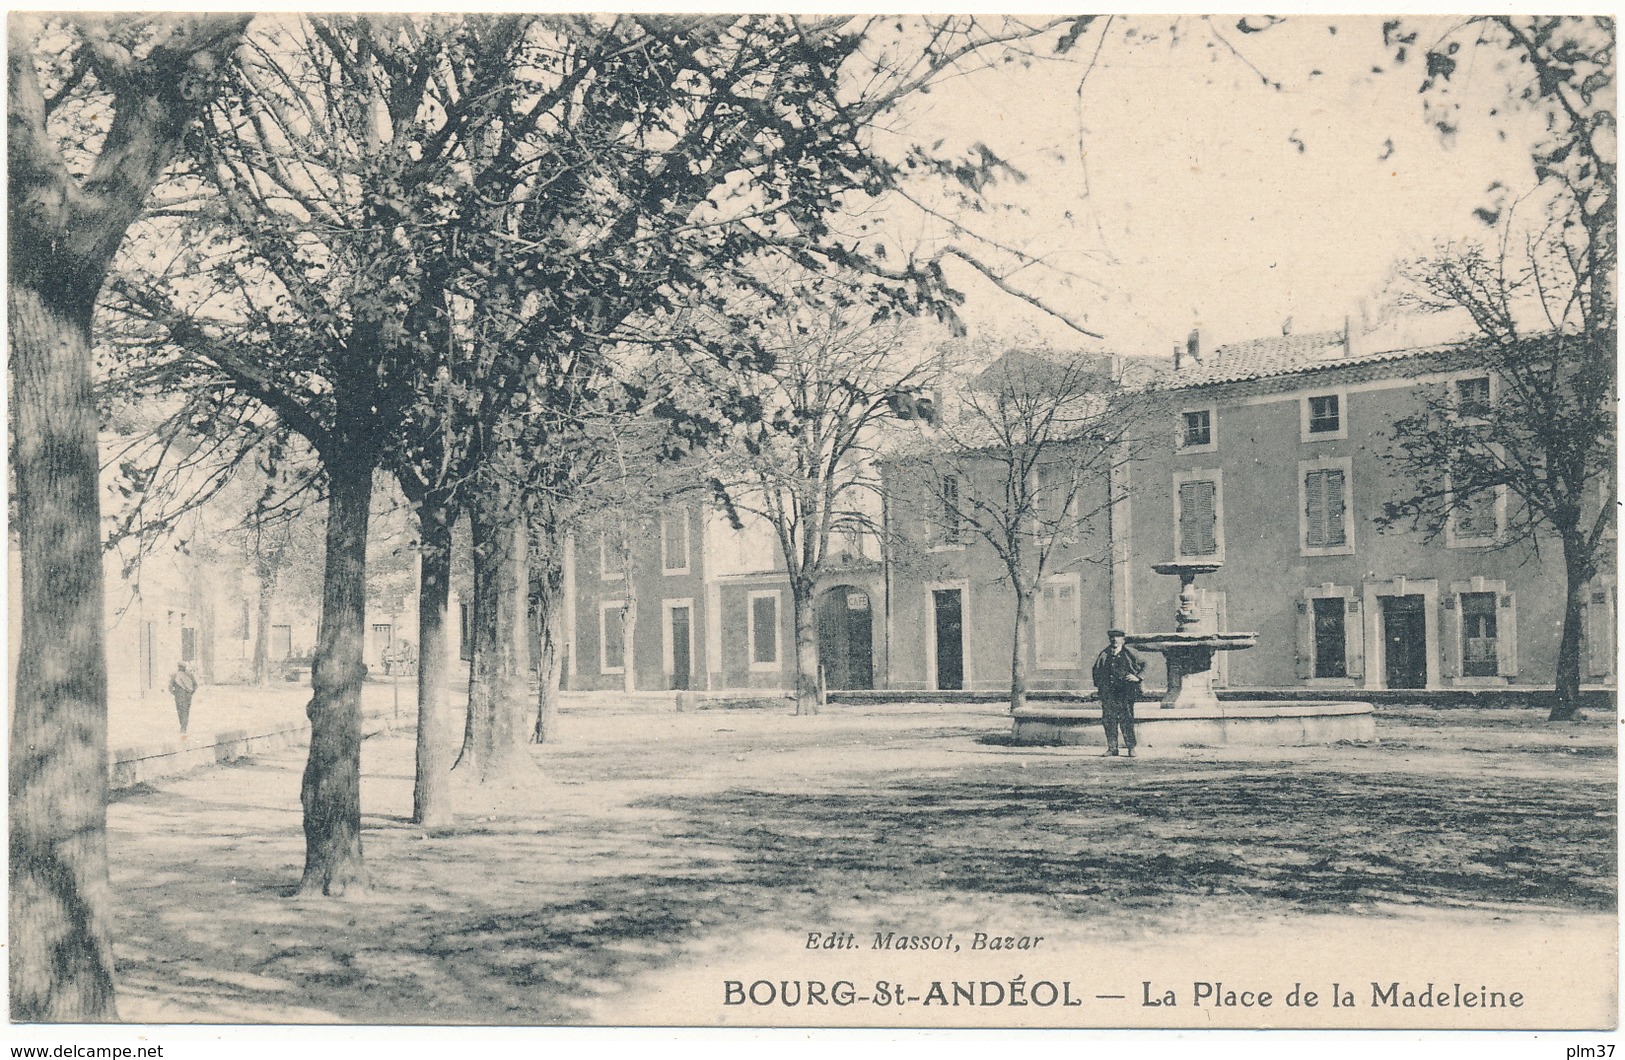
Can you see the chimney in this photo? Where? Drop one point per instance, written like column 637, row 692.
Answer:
column 1193, row 345
column 1179, row 357
column 1348, row 338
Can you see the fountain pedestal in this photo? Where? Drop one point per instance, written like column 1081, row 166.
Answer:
column 1188, row 651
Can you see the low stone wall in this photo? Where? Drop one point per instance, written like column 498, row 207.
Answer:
column 1231, row 724
column 129, row 767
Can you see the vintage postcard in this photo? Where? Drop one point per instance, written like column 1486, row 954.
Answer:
column 767, row 523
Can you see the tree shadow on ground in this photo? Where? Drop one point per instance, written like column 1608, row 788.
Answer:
column 530, row 918
column 1311, row 842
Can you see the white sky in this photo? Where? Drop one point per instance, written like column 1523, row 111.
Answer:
column 1199, row 209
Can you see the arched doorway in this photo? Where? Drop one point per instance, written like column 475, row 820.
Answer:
column 845, row 644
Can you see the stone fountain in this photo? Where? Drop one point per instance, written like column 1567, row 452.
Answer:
column 1191, row 713
column 1189, row 648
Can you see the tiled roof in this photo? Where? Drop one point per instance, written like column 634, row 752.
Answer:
column 1283, row 355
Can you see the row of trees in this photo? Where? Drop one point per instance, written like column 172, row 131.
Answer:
column 426, row 247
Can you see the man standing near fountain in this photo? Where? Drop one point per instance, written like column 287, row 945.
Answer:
column 1117, row 681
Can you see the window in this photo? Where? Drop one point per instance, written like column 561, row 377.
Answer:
column 763, row 630
column 1325, row 415
column 1055, row 494
column 188, row 644
column 1480, row 650
column 611, row 555
column 950, row 529
column 612, row 637
column 1476, row 519
column 1196, row 430
column 1331, row 637
column 1473, row 395
column 1196, row 515
column 1059, row 640
column 282, row 642
column 674, row 542
column 1324, row 507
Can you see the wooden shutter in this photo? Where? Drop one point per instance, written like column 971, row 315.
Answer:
column 1450, row 634
column 1066, row 615
column 1598, row 624
column 1314, row 509
column 1354, row 632
column 1197, row 520
column 1324, row 506
column 1506, row 634
column 1046, row 618
column 1306, row 639
column 1335, row 505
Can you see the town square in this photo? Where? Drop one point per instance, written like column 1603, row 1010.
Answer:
column 755, row 523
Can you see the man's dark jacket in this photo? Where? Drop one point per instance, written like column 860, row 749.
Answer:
column 1111, row 673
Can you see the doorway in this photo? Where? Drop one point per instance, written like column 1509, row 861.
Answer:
column 950, row 644
column 1405, row 642
column 845, row 638
column 679, row 634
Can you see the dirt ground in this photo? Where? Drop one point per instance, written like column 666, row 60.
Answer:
column 651, row 868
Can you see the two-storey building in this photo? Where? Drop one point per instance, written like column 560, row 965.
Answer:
column 1275, row 469
column 1266, row 458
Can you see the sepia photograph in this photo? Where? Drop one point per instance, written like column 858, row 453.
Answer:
column 759, row 524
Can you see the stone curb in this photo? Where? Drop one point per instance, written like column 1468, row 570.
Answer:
column 129, row 767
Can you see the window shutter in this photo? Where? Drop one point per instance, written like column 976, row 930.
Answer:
column 1354, row 639
column 1598, row 619
column 1066, row 602
column 1197, row 523
column 1335, row 534
column 1314, row 489
column 1044, row 619
column 1306, row 640
column 1506, row 635
column 1450, row 634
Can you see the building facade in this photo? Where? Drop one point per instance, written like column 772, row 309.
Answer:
column 1275, row 470
column 682, row 600
column 1267, row 460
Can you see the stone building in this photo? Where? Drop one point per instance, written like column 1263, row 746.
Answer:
column 1267, row 461
column 697, row 604
column 1275, row 471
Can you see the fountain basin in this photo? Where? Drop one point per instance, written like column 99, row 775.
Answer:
column 1224, row 724
column 1173, row 641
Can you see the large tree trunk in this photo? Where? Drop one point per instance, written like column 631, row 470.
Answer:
column 806, row 629
column 1566, row 700
column 499, row 677
column 61, row 950
column 262, row 631
column 548, row 582
column 430, row 795
column 331, row 792
column 62, row 235
column 1019, row 650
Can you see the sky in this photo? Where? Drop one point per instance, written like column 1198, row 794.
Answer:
column 1180, row 192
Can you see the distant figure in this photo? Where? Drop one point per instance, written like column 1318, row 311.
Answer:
column 1117, row 678
column 182, row 685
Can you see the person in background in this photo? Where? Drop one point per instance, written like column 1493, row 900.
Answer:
column 182, row 685
column 1117, row 678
